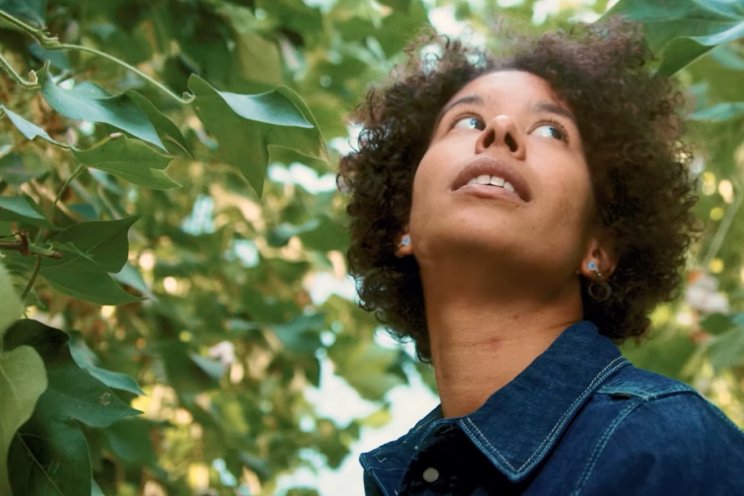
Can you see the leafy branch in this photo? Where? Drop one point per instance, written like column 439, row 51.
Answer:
column 52, row 43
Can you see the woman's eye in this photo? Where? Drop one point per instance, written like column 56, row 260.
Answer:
column 469, row 122
column 549, row 130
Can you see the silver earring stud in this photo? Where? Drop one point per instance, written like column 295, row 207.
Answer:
column 405, row 241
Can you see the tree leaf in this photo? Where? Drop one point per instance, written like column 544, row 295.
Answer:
column 72, row 393
column 105, row 242
column 28, row 129
column 22, row 209
column 131, row 160
column 90, row 103
column 87, row 360
column 82, row 279
column 50, row 456
column 727, row 349
column 22, row 380
column 683, row 30
column 246, row 125
column 130, row 440
column 32, row 10
column 91, row 251
column 719, row 112
column 10, row 305
column 169, row 133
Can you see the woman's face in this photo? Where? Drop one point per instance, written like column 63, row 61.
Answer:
column 505, row 177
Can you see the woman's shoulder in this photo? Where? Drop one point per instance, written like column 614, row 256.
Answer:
column 652, row 405
column 658, row 433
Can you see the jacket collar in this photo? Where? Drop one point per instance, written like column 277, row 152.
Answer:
column 521, row 422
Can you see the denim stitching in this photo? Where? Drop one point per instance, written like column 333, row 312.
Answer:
column 601, row 375
column 682, row 388
column 602, row 443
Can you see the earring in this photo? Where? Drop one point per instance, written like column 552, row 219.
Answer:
column 405, row 241
column 599, row 289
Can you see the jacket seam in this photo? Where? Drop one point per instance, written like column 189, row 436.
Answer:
column 599, row 448
column 615, row 364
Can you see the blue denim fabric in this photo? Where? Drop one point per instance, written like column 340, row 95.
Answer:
column 580, row 420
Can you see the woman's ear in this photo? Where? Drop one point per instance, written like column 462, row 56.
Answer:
column 599, row 262
column 404, row 245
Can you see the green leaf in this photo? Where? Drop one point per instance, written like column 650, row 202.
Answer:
column 22, row 380
column 169, row 133
column 302, row 334
column 717, row 323
column 50, row 456
column 131, row 160
column 84, row 280
column 683, row 30
column 327, row 235
column 105, row 242
column 130, row 440
column 246, row 126
column 100, row 247
column 719, row 112
column 26, row 128
column 10, row 305
column 73, row 393
column 91, row 103
column 366, row 366
column 31, row 10
column 87, row 360
column 727, row 349
column 22, row 209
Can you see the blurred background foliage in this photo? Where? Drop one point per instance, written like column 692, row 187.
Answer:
column 174, row 230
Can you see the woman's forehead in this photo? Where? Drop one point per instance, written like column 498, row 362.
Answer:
column 504, row 84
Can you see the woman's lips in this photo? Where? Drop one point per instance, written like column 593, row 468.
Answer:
column 489, row 177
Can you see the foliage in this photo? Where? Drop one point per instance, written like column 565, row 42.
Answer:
column 168, row 212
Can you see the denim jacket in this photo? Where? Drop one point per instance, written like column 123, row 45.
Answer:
column 580, row 420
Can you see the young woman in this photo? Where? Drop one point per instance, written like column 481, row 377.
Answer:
column 516, row 215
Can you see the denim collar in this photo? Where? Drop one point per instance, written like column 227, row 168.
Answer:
column 520, row 423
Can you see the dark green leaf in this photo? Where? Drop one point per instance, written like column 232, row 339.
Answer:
column 727, row 350
column 30, row 10
column 49, row 456
column 302, row 334
column 717, row 323
column 246, row 126
column 105, row 242
column 73, row 393
column 22, row 209
column 131, row 160
column 92, row 104
column 87, row 360
column 130, row 441
column 684, row 30
column 27, row 129
column 169, row 133
column 22, row 380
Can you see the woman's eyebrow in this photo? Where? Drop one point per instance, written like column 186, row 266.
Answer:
column 543, row 107
column 467, row 99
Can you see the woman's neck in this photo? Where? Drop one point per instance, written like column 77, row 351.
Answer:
column 481, row 341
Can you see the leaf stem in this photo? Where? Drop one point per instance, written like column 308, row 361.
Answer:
column 723, row 228
column 30, row 84
column 185, row 100
column 32, row 280
column 52, row 43
column 80, row 168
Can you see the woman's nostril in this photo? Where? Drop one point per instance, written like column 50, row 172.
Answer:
column 511, row 142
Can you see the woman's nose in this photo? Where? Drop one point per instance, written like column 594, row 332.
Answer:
column 502, row 131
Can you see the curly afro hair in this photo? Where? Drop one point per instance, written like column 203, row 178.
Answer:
column 629, row 122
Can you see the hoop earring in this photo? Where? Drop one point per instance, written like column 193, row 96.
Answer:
column 599, row 290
